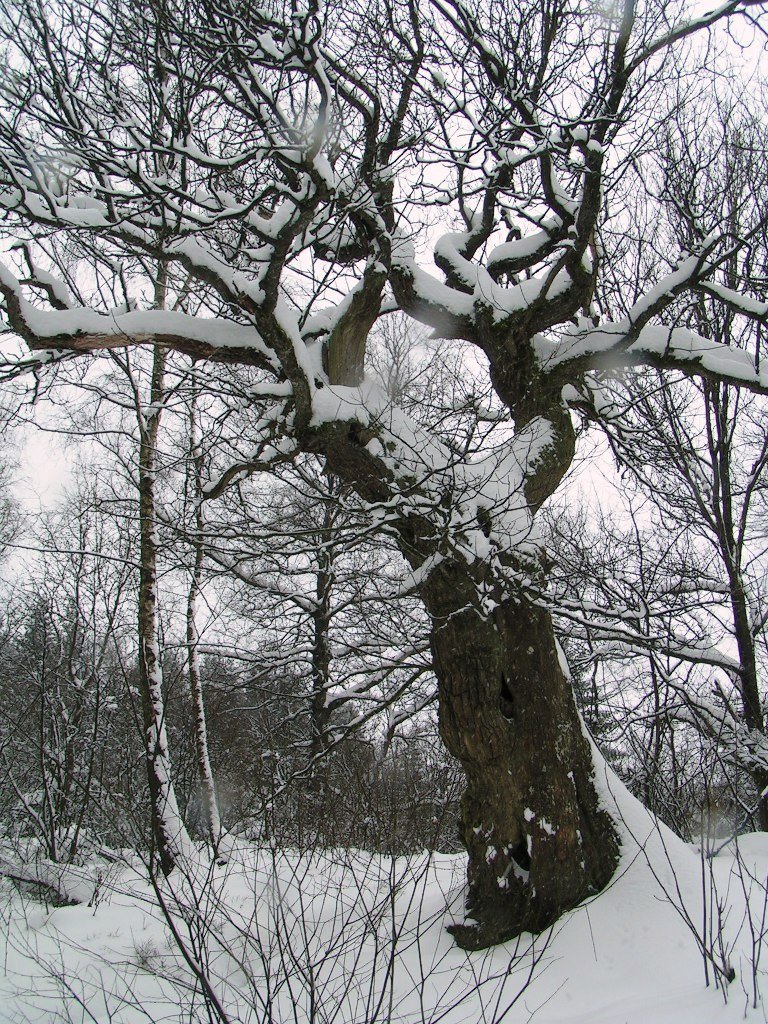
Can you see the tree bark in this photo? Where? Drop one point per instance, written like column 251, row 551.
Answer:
column 538, row 840
column 208, row 796
column 168, row 829
column 748, row 685
column 320, row 711
column 731, row 540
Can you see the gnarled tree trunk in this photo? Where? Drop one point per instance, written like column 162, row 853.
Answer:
column 538, row 840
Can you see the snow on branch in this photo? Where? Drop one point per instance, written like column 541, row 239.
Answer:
column 742, row 747
column 81, row 329
column 674, row 348
column 691, row 26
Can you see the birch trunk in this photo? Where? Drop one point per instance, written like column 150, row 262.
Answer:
column 210, row 804
column 169, row 833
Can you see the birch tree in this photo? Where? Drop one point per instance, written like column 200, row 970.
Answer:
column 299, row 162
column 194, row 483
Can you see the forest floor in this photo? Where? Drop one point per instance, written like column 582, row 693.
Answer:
column 346, row 937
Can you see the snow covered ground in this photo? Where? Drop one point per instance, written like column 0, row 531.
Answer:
column 352, row 938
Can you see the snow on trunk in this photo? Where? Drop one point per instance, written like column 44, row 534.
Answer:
column 170, row 835
column 210, row 805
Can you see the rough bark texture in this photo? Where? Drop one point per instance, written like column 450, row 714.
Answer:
column 537, row 839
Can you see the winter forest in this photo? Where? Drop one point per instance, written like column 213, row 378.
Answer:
column 383, row 511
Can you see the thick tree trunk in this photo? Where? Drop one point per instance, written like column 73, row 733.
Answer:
column 537, row 838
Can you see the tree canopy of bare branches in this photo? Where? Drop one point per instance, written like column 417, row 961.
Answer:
column 289, row 167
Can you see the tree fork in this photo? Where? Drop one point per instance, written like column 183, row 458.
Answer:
column 537, row 839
